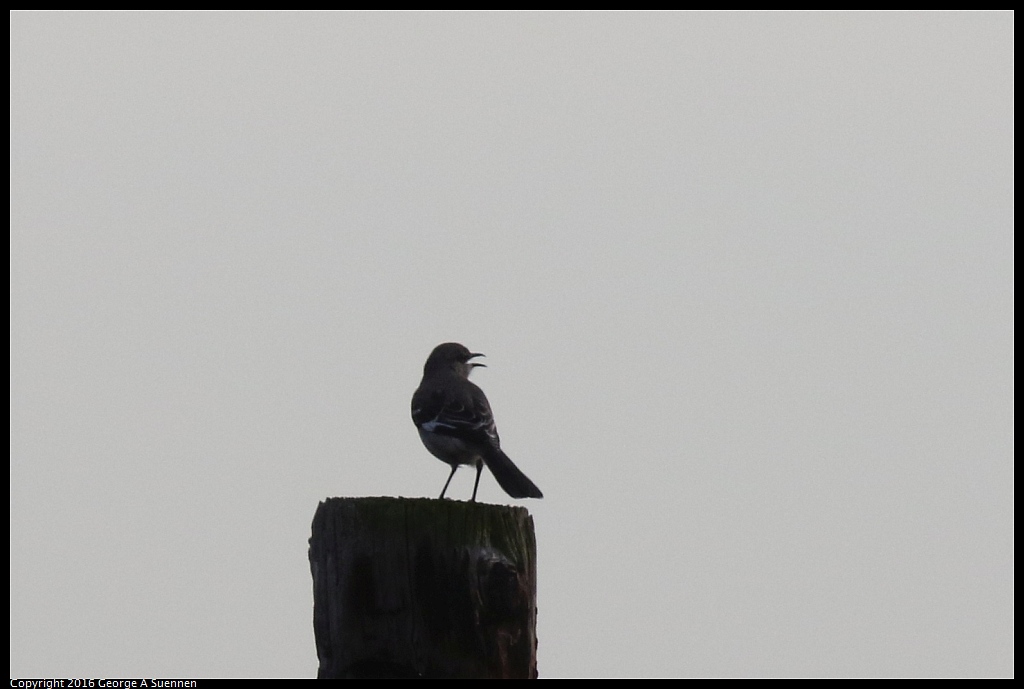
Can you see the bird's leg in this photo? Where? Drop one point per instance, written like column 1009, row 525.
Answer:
column 479, row 468
column 454, row 467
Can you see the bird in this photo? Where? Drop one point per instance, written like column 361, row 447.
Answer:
column 456, row 425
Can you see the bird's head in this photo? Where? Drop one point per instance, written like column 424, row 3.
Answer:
column 451, row 356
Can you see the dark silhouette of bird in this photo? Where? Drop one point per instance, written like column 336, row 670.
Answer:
column 455, row 422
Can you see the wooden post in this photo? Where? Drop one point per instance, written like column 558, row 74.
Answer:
column 408, row 587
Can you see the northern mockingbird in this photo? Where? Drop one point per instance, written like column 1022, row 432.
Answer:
column 456, row 424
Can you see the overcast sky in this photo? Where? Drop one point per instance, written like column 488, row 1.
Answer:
column 744, row 282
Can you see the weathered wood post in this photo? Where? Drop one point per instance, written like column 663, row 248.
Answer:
column 408, row 587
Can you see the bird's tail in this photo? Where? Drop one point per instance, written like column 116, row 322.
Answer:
column 511, row 480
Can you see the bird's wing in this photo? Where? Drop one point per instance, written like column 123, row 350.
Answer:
column 461, row 413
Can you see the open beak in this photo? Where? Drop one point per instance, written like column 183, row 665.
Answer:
column 475, row 364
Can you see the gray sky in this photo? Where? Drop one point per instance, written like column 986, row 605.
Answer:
column 744, row 282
